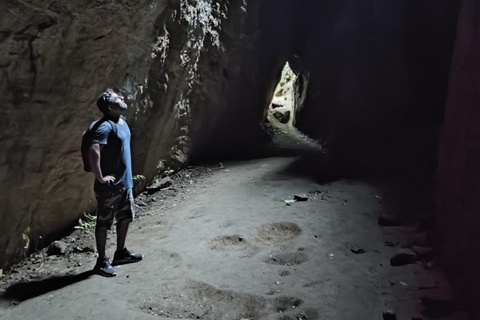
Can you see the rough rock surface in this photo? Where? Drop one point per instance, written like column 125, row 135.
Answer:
column 176, row 62
column 56, row 57
column 458, row 193
column 369, row 64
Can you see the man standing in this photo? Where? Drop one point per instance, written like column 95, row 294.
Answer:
column 110, row 161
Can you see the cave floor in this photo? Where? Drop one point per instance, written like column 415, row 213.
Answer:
column 225, row 244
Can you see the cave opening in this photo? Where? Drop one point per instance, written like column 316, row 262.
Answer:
column 282, row 108
column 286, row 99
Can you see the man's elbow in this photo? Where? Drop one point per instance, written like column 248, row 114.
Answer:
column 94, row 151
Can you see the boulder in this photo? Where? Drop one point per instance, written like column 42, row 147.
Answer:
column 389, row 220
column 403, row 257
column 283, row 116
column 389, row 315
column 423, row 252
column 300, row 197
column 57, row 248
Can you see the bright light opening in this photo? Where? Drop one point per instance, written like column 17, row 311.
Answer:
column 281, row 112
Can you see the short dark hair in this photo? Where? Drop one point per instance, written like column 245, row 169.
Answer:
column 104, row 100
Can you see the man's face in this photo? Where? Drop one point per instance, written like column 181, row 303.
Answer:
column 117, row 104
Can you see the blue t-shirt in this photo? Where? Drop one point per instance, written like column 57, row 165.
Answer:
column 115, row 158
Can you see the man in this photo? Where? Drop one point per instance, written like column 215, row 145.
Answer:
column 110, row 161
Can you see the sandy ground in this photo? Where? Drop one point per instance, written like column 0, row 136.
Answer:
column 229, row 247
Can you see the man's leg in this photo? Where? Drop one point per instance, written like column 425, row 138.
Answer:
column 101, row 239
column 123, row 255
column 124, row 216
column 122, row 229
column 104, row 221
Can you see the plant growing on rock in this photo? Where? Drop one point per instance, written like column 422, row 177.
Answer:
column 88, row 223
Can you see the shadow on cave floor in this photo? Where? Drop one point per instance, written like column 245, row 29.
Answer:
column 312, row 161
column 401, row 164
column 22, row 291
column 402, row 167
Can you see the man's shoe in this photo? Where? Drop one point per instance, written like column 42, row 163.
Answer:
column 104, row 268
column 125, row 256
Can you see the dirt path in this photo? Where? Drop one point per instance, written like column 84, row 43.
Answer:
column 232, row 248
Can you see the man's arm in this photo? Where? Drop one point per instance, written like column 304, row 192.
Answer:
column 94, row 160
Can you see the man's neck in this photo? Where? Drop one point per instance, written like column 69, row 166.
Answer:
column 114, row 118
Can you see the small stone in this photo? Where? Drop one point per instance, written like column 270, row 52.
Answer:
column 389, row 315
column 357, row 250
column 141, row 203
column 403, row 257
column 391, row 243
column 160, row 184
column 57, row 248
column 70, row 239
column 422, row 251
column 166, row 182
column 420, row 239
column 300, row 197
column 388, row 220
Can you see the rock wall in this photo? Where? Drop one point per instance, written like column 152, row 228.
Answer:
column 458, row 192
column 244, row 81
column 179, row 63
column 374, row 68
column 56, row 57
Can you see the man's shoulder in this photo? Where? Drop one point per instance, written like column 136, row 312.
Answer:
column 105, row 125
column 102, row 127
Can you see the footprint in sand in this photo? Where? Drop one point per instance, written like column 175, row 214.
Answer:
column 276, row 232
column 287, row 259
column 235, row 242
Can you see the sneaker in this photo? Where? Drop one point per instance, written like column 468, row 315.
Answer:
column 125, row 256
column 104, row 268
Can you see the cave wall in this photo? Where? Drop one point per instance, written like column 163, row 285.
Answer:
column 458, row 191
column 181, row 64
column 250, row 75
column 376, row 68
column 357, row 68
column 56, row 58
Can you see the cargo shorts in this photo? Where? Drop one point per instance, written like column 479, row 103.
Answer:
column 118, row 205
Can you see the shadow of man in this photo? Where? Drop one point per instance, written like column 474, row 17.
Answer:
column 22, row 291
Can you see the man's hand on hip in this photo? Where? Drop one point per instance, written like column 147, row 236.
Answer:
column 107, row 180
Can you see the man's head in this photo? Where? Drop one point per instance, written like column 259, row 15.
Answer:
column 111, row 103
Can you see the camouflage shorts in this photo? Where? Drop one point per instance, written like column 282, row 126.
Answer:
column 115, row 205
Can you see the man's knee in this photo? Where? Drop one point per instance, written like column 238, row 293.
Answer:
column 103, row 224
column 124, row 220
